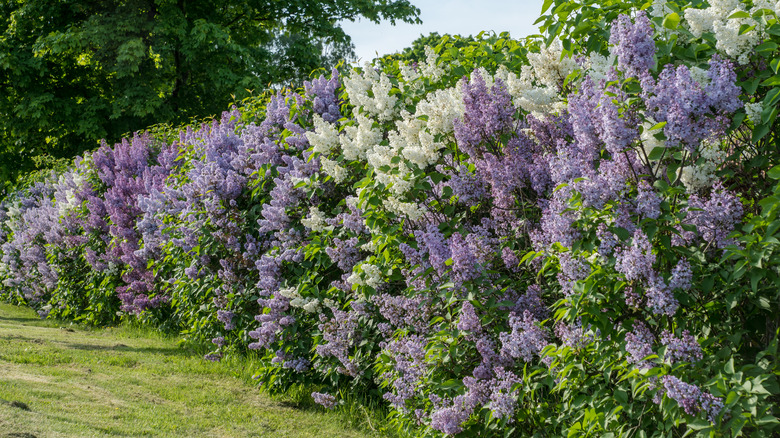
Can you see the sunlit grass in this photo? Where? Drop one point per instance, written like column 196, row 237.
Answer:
column 131, row 381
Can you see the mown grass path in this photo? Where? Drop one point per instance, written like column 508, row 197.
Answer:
column 63, row 381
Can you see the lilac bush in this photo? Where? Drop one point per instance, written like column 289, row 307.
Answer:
column 489, row 242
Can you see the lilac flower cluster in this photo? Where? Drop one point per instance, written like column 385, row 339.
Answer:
column 691, row 398
column 692, row 112
column 633, row 44
column 409, row 370
column 489, row 113
column 325, row 400
column 682, row 349
column 715, row 218
column 636, row 262
column 339, row 334
column 526, row 339
column 639, row 345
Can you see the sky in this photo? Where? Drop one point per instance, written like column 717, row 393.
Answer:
column 463, row 17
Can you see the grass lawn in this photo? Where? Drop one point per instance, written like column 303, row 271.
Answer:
column 58, row 380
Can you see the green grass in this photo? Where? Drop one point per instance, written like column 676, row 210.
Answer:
column 58, row 380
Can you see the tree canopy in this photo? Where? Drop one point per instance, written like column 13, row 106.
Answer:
column 73, row 72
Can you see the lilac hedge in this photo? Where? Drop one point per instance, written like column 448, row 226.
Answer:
column 521, row 238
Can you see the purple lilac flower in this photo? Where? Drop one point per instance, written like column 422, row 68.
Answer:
column 660, row 298
column 525, row 340
column 557, row 223
column 488, row 114
column 437, row 248
column 682, row 349
column 633, row 43
column 636, row 263
column 685, row 394
column 639, row 345
column 226, row 318
column 339, row 334
column 573, row 269
column 722, row 91
column 325, row 400
column 573, row 335
column 469, row 187
column 692, row 113
column 647, row 201
column 345, row 253
column 691, row 398
column 403, row 312
column 608, row 240
column 325, row 100
column 449, row 419
column 464, row 267
column 410, row 367
column 618, row 126
column 716, row 217
column 711, row 405
column 681, row 275
column 503, row 400
column 531, row 301
column 469, row 321
column 510, row 259
column 213, row 357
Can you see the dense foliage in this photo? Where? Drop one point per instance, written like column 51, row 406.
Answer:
column 571, row 236
column 73, row 72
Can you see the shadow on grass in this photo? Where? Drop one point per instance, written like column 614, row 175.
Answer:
column 124, row 348
column 31, row 321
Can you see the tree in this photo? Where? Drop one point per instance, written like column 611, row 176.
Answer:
column 73, row 72
column 416, row 52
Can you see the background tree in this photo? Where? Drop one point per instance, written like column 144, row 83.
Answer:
column 73, row 72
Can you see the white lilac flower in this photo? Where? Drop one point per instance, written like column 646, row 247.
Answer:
column 334, row 170
column 753, row 111
column 382, row 104
column 359, row 139
column 325, row 137
column 315, row 221
column 703, row 173
column 441, row 108
column 429, row 68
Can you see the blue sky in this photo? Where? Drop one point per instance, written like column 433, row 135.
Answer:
column 464, row 17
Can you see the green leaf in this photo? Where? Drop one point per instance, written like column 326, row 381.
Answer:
column 772, row 97
column 771, row 81
column 760, row 132
column 774, row 172
column 658, row 125
column 546, row 5
column 739, row 14
column 656, row 153
column 775, row 65
column 769, row 46
column 671, row 21
column 729, row 367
